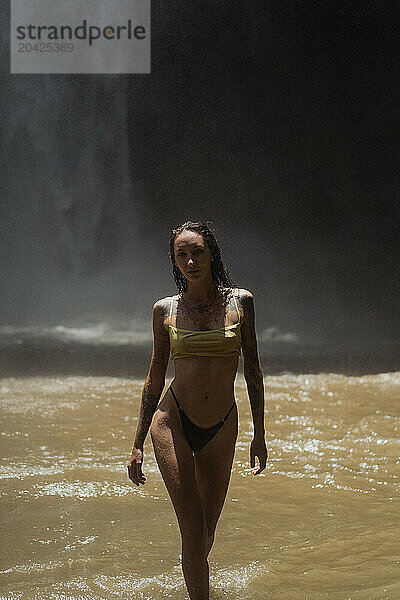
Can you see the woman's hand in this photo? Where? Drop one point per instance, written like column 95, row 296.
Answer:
column 258, row 449
column 135, row 467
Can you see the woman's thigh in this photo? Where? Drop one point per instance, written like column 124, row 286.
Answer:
column 213, row 466
column 176, row 463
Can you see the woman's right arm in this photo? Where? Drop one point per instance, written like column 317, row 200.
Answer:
column 152, row 390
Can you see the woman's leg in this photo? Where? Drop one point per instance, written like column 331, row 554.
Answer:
column 213, row 465
column 176, row 463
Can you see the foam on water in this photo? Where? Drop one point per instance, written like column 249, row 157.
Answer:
column 323, row 515
column 223, row 582
column 120, row 331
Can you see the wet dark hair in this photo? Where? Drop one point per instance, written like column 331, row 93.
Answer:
column 219, row 272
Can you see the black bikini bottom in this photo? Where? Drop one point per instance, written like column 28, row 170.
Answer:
column 196, row 436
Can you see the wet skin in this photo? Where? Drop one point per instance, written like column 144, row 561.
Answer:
column 197, row 484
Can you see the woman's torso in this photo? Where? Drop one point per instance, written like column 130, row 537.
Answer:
column 204, row 384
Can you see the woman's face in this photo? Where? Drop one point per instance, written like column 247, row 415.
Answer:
column 192, row 255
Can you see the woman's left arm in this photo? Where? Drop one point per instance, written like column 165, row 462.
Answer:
column 255, row 382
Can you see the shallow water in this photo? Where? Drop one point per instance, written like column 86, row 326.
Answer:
column 322, row 521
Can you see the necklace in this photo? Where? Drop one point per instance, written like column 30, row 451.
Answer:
column 201, row 307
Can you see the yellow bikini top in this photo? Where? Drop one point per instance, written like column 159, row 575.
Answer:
column 225, row 341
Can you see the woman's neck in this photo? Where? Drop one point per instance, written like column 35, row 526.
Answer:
column 201, row 293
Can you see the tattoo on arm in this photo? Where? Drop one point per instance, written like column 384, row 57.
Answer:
column 256, row 396
column 155, row 380
column 147, row 409
column 252, row 369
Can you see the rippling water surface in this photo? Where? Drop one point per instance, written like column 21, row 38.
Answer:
column 322, row 522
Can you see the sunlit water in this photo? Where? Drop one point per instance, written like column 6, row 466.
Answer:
column 322, row 522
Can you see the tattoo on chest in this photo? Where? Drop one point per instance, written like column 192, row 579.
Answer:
column 204, row 318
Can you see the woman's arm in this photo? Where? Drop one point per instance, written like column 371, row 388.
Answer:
column 152, row 390
column 254, row 380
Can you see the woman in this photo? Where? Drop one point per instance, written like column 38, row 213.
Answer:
column 194, row 427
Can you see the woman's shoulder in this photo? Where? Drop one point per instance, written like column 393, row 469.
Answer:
column 242, row 294
column 163, row 305
column 244, row 300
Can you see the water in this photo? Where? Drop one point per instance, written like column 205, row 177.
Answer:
column 322, row 521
